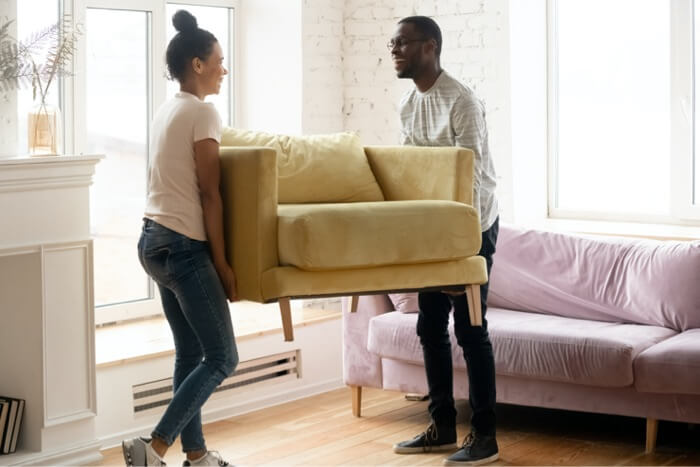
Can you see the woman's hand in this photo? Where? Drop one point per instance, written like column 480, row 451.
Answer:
column 228, row 280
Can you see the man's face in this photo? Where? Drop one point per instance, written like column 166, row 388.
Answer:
column 407, row 51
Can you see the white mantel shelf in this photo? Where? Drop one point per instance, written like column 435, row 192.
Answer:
column 50, row 159
column 45, row 199
column 28, row 173
column 47, row 342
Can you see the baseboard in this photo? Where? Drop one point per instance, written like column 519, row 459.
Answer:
column 235, row 408
column 85, row 454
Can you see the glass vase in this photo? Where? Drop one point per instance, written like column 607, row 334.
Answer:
column 44, row 130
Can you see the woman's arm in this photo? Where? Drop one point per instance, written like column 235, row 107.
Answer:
column 206, row 157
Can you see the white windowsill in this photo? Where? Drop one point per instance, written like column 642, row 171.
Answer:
column 120, row 343
column 625, row 229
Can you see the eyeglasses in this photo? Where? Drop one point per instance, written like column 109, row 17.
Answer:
column 400, row 43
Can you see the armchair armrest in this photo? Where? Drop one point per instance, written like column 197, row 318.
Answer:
column 249, row 194
column 401, row 172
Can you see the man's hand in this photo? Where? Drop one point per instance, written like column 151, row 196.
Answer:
column 228, row 280
column 454, row 293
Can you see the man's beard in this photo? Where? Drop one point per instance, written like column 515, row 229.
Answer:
column 405, row 73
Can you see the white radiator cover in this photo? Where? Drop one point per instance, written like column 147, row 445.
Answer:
column 318, row 359
column 152, row 396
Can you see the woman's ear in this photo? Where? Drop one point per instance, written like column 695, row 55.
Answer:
column 197, row 65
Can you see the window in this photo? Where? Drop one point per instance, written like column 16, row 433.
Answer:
column 32, row 16
column 696, row 112
column 117, row 111
column 620, row 99
column 216, row 20
column 124, row 82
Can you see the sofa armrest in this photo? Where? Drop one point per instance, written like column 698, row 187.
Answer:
column 249, row 193
column 412, row 172
column 360, row 367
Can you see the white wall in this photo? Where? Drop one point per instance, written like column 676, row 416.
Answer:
column 270, row 64
column 322, row 43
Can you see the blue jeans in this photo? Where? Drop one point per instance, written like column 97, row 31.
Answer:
column 195, row 304
column 476, row 346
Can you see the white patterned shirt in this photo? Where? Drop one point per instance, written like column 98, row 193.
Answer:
column 450, row 114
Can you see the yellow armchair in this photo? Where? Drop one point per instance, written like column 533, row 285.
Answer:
column 418, row 231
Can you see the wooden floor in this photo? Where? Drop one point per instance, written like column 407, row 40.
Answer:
column 321, row 431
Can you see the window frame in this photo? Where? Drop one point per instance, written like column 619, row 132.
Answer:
column 682, row 210
column 157, row 86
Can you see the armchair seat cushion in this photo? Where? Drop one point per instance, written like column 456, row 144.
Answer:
column 317, row 237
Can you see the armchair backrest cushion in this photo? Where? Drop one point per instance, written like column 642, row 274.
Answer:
column 418, row 172
column 329, row 168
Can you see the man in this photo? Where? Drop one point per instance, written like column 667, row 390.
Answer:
column 441, row 111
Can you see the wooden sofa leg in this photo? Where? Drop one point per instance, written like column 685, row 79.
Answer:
column 652, row 430
column 353, row 303
column 356, row 400
column 474, row 302
column 286, row 311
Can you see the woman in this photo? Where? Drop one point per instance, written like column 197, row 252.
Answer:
column 182, row 245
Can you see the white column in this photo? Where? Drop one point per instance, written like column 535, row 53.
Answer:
column 47, row 349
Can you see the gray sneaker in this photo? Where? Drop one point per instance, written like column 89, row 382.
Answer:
column 212, row 458
column 139, row 452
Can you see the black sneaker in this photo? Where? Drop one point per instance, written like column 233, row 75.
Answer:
column 476, row 450
column 431, row 440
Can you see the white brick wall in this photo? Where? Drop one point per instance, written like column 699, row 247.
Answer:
column 475, row 50
column 322, row 71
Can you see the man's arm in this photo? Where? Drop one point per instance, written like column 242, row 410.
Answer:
column 206, row 157
column 469, row 126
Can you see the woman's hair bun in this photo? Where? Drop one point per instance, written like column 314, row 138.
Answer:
column 184, row 21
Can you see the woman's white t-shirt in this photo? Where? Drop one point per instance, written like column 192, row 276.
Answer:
column 173, row 189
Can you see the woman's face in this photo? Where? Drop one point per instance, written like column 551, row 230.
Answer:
column 213, row 71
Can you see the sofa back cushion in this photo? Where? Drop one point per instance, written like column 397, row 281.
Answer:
column 600, row 278
column 329, row 168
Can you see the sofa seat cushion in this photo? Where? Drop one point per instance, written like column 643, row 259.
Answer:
column 331, row 236
column 671, row 366
column 534, row 345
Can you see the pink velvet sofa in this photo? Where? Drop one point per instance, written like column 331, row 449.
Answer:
column 594, row 324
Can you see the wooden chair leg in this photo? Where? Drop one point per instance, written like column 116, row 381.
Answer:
column 286, row 311
column 356, row 400
column 474, row 302
column 353, row 303
column 652, row 431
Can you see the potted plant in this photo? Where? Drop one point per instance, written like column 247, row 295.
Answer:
column 37, row 62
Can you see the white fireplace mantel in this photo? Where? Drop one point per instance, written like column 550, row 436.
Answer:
column 47, row 349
